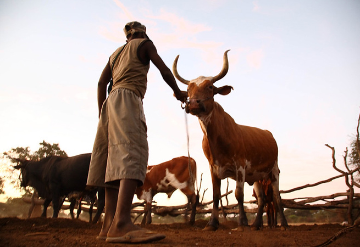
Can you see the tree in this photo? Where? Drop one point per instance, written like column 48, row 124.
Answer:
column 45, row 150
column 354, row 154
column 1, row 186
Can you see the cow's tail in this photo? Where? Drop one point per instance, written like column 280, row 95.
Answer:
column 192, row 174
column 193, row 182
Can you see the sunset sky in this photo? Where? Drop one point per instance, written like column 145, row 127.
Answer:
column 294, row 66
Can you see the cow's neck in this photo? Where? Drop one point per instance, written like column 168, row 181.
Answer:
column 215, row 128
column 214, row 120
column 34, row 172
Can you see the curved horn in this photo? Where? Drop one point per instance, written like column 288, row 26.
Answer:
column 176, row 74
column 224, row 70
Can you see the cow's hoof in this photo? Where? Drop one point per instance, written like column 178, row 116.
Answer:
column 284, row 228
column 241, row 228
column 254, row 228
column 210, row 228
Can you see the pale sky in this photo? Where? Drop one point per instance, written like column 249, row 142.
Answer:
column 294, row 66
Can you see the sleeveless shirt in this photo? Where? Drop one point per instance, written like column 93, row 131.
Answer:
column 129, row 72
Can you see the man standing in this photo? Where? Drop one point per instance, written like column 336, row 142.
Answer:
column 120, row 152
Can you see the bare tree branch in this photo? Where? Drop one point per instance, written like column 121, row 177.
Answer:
column 202, row 199
column 207, row 203
column 357, row 137
column 346, row 165
column 334, row 160
column 312, row 185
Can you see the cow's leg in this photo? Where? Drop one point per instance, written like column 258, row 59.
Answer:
column 72, row 206
column 57, row 206
column 194, row 202
column 275, row 215
column 279, row 209
column 100, row 204
column 277, row 198
column 239, row 195
column 271, row 215
column 32, row 206
column 45, row 206
column 149, row 211
column 268, row 215
column 56, row 199
column 91, row 208
column 213, row 224
column 188, row 205
column 79, row 209
column 260, row 201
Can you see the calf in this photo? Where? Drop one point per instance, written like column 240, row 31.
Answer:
column 166, row 178
column 270, row 208
column 95, row 196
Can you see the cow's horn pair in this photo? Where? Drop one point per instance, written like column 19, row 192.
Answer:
column 222, row 73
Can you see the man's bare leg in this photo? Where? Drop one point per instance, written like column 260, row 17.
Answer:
column 122, row 223
column 111, row 196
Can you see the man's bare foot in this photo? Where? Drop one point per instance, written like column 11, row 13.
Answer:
column 117, row 230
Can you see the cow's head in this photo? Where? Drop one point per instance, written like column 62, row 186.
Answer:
column 201, row 90
column 24, row 176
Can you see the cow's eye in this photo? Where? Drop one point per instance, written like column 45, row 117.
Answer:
column 211, row 87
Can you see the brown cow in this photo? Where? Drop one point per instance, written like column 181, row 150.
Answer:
column 166, row 178
column 243, row 153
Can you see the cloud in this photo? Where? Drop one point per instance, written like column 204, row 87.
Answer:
column 113, row 30
column 256, row 6
column 127, row 13
column 255, row 58
column 172, row 31
column 181, row 25
column 166, row 29
column 271, row 10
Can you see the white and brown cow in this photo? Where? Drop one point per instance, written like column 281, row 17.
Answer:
column 167, row 177
column 243, row 153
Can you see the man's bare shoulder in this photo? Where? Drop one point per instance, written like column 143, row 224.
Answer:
column 147, row 51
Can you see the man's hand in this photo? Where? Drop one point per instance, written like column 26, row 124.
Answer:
column 181, row 95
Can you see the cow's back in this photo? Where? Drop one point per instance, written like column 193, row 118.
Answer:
column 260, row 147
column 71, row 173
column 170, row 175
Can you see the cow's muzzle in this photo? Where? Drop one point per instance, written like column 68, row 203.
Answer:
column 194, row 106
column 185, row 105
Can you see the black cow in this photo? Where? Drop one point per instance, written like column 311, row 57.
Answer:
column 93, row 197
column 55, row 177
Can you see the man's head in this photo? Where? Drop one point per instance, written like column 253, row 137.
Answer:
column 134, row 27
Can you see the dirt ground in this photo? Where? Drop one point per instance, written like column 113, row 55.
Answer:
column 67, row 232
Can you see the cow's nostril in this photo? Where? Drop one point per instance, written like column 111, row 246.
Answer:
column 198, row 101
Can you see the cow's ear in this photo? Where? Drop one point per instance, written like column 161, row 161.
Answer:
column 224, row 90
column 18, row 166
column 21, row 163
